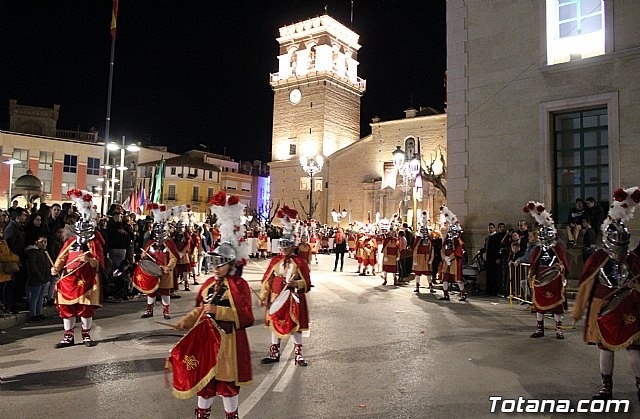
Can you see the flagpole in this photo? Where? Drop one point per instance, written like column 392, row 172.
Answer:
column 114, row 14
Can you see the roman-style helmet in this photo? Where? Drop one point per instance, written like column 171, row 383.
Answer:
column 160, row 217
column 287, row 218
column 85, row 226
column 615, row 234
column 233, row 248
column 424, row 225
column 543, row 218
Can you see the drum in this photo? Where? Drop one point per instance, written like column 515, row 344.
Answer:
column 146, row 276
column 546, row 274
column 548, row 288
column 195, row 357
column 619, row 319
column 284, row 314
column 277, row 304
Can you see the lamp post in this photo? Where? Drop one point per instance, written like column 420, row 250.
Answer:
column 132, row 148
column 11, row 161
column 409, row 170
column 312, row 165
column 338, row 215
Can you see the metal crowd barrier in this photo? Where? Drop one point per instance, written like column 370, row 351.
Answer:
column 519, row 287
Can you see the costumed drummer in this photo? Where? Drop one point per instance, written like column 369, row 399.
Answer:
column 79, row 264
column 226, row 298
column 164, row 254
column 548, row 270
column 451, row 252
column 609, row 291
column 284, row 285
column 423, row 254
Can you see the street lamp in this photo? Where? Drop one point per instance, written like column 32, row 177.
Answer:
column 11, row 161
column 409, row 169
column 338, row 215
column 312, row 165
column 132, row 148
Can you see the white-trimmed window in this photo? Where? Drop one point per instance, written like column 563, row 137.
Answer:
column 22, row 155
column 171, row 192
column 575, row 30
column 46, row 161
column 70, row 164
column 305, row 182
column 292, row 149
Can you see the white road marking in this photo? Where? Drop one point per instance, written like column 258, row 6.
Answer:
column 257, row 394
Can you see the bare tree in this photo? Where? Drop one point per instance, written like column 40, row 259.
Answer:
column 437, row 179
column 269, row 209
column 310, row 213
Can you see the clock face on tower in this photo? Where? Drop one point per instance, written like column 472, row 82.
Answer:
column 294, row 96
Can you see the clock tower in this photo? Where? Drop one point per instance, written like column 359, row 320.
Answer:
column 316, row 105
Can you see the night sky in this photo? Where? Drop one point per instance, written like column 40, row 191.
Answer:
column 190, row 72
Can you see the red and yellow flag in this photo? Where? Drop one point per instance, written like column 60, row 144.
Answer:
column 114, row 17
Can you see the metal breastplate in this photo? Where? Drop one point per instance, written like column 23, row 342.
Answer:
column 547, row 258
column 613, row 274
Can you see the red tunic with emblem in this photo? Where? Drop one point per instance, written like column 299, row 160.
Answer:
column 422, row 256
column 550, row 296
column 233, row 315
column 593, row 295
column 351, row 241
column 79, row 290
column 451, row 266
column 294, row 315
column 314, row 241
column 370, row 255
column 390, row 254
column 182, row 244
column 304, row 251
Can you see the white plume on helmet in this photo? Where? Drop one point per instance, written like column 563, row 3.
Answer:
column 624, row 204
column 229, row 211
column 83, row 201
column 541, row 215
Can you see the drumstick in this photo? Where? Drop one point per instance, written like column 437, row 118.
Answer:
column 147, row 253
column 75, row 260
column 76, row 268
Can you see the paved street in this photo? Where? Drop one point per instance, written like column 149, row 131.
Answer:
column 373, row 352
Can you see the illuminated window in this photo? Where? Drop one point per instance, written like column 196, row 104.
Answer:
column 575, row 30
column 171, row 193
column 305, row 182
column 292, row 149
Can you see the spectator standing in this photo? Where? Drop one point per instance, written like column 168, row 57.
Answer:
column 38, row 268
column 492, row 258
column 339, row 247
column 407, row 258
column 14, row 234
column 55, row 219
column 33, row 228
column 54, row 245
column 6, row 278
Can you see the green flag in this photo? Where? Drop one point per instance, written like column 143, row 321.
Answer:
column 157, row 195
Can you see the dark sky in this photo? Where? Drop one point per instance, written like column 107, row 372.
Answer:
column 191, row 72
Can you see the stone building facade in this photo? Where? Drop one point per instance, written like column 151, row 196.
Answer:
column 540, row 107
